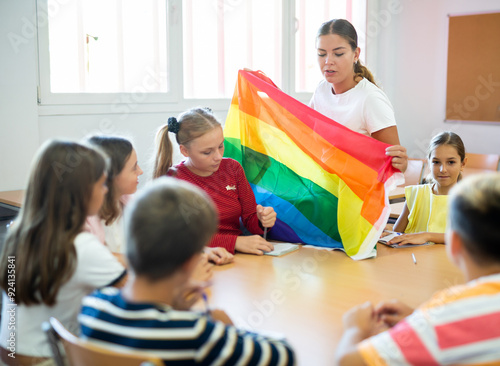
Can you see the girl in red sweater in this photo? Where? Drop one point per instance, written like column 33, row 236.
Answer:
column 201, row 141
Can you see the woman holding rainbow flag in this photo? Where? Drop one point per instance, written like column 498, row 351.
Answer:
column 348, row 93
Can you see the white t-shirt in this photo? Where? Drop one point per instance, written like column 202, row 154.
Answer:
column 115, row 235
column 112, row 235
column 364, row 108
column 96, row 267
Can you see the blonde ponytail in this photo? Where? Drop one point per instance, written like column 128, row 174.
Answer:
column 164, row 151
column 190, row 125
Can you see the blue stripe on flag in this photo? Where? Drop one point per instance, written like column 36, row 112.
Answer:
column 287, row 213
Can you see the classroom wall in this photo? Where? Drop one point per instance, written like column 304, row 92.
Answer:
column 409, row 57
column 407, row 43
column 19, row 135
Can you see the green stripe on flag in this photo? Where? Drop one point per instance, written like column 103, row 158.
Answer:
column 232, row 149
column 315, row 203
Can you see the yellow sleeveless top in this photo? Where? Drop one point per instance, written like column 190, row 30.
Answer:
column 428, row 212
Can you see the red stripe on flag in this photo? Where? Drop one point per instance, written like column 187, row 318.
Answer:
column 471, row 330
column 411, row 346
column 328, row 130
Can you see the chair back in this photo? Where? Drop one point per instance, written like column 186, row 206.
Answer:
column 482, row 161
column 80, row 352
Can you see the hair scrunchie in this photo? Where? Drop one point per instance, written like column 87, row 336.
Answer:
column 173, row 125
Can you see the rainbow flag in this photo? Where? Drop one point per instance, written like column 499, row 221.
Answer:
column 328, row 184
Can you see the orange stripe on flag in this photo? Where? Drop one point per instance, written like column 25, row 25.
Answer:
column 314, row 145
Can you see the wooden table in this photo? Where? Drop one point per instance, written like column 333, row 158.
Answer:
column 10, row 203
column 305, row 293
column 12, row 198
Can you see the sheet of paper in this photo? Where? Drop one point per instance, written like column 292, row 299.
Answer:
column 282, row 248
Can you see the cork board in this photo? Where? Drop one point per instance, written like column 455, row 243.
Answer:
column 473, row 77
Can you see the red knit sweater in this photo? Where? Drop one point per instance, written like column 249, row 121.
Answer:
column 229, row 189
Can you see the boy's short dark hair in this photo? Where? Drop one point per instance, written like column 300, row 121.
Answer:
column 474, row 214
column 166, row 224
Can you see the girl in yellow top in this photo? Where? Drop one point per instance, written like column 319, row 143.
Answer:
column 424, row 215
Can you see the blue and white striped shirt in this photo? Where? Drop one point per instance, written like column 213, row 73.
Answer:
column 178, row 337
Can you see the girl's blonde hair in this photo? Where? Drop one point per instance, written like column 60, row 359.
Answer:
column 346, row 30
column 188, row 126
column 118, row 149
column 446, row 138
column 55, row 207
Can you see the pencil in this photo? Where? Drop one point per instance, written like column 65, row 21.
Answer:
column 205, row 300
column 414, row 259
column 265, row 233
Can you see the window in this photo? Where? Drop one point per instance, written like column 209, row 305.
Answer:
column 95, row 52
column 221, row 37
column 108, row 47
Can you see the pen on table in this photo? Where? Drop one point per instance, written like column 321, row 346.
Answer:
column 205, row 300
column 265, row 233
column 414, row 259
column 392, row 232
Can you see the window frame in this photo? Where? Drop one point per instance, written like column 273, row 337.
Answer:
column 47, row 98
column 172, row 100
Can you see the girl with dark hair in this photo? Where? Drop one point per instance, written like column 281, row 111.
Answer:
column 122, row 181
column 348, row 93
column 48, row 262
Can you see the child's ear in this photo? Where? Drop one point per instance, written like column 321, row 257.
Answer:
column 184, row 151
column 464, row 162
column 454, row 247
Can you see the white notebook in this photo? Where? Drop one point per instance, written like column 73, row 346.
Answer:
column 282, row 248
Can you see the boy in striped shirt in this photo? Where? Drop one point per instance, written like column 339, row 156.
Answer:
column 167, row 227
column 458, row 326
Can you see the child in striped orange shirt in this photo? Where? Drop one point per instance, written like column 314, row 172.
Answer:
column 460, row 325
